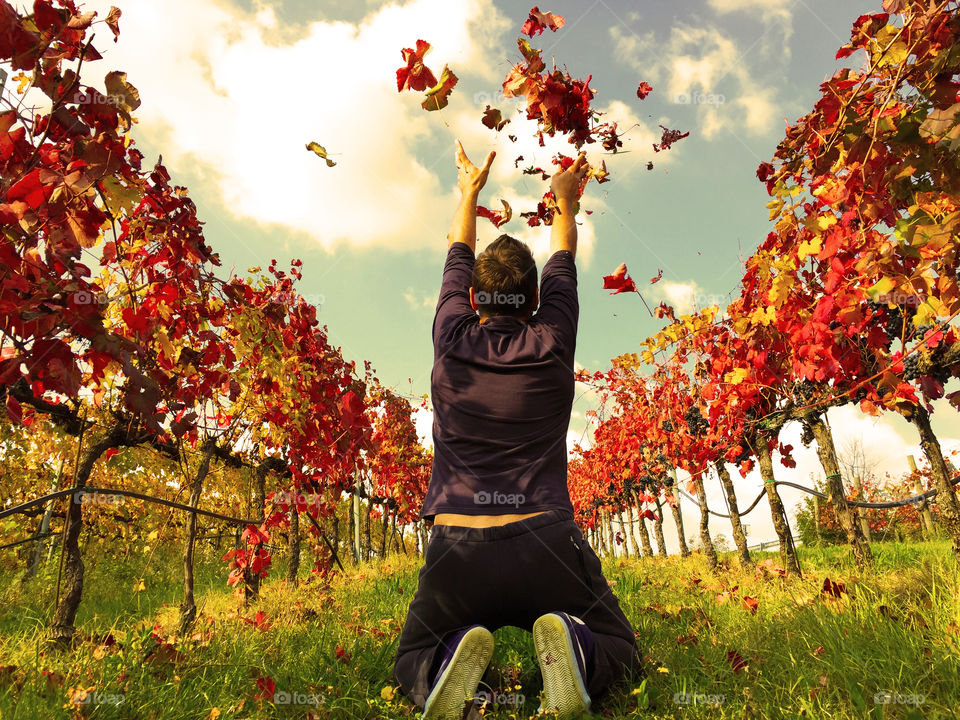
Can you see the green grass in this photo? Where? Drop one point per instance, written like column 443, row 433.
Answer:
column 806, row 655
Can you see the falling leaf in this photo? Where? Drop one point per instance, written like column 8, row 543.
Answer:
column 415, row 75
column 619, row 281
column 113, row 22
column 643, row 90
column 656, row 279
column 668, row 138
column 599, row 172
column 493, row 119
column 538, row 21
column 498, row 219
column 438, row 96
column 321, row 151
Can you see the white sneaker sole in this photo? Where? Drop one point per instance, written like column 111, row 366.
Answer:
column 460, row 678
column 563, row 687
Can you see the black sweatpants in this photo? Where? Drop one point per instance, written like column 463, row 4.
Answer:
column 511, row 575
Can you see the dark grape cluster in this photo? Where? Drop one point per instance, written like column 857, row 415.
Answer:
column 806, row 437
column 696, row 423
column 667, row 426
column 911, row 370
column 805, row 390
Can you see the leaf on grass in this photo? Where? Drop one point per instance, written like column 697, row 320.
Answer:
column 736, row 660
column 835, row 589
column 751, row 604
column 321, row 151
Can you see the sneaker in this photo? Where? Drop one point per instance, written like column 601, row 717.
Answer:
column 564, row 646
column 467, row 655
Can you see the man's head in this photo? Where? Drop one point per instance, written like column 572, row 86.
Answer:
column 505, row 280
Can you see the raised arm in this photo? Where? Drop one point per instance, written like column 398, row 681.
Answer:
column 566, row 189
column 470, row 180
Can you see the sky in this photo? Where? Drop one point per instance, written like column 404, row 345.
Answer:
column 233, row 90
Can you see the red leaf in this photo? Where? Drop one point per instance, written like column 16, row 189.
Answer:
column 540, row 21
column 736, row 660
column 668, row 138
column 351, row 410
column 619, row 281
column 751, row 604
column 416, row 75
column 110, row 453
column 657, row 278
column 30, row 190
column 644, row 90
column 14, row 411
column 833, row 588
column 497, row 218
column 266, row 688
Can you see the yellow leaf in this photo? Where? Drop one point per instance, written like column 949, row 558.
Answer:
column 140, row 586
column 388, row 693
column 153, row 535
column 810, row 247
column 880, row 288
column 214, row 714
column 164, row 341
column 735, row 377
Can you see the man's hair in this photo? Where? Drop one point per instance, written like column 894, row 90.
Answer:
column 505, row 278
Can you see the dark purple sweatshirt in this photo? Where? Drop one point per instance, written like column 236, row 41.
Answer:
column 502, row 393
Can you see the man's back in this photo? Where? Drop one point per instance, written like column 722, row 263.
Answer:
column 502, row 393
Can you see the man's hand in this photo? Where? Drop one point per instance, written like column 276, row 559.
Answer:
column 470, row 178
column 566, row 183
column 566, row 186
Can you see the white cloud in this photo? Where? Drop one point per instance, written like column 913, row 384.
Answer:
column 727, row 82
column 419, row 300
column 768, row 9
column 236, row 96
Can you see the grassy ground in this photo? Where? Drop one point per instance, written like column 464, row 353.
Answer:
column 888, row 647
